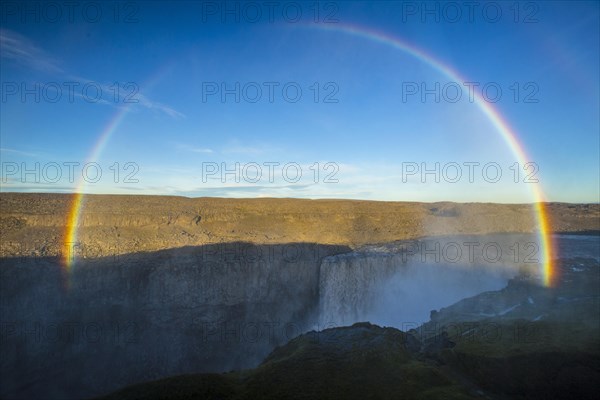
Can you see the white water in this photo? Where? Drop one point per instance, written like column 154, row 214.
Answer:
column 385, row 287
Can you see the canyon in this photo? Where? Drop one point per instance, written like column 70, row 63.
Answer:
column 164, row 286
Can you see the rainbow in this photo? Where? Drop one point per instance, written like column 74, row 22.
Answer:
column 508, row 134
column 70, row 235
column 70, row 242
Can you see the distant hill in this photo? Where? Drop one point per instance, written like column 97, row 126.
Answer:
column 35, row 223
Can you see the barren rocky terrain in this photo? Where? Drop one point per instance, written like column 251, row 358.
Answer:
column 34, row 224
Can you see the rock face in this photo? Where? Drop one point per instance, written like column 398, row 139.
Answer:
column 363, row 361
column 207, row 308
column 398, row 284
column 144, row 316
column 480, row 347
column 165, row 285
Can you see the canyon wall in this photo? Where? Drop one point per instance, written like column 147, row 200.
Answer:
column 162, row 286
column 109, row 323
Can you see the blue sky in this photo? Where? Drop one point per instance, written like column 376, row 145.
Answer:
column 354, row 122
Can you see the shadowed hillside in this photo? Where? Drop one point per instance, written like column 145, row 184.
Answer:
column 165, row 286
column 522, row 342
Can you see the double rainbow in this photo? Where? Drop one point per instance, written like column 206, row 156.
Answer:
column 502, row 126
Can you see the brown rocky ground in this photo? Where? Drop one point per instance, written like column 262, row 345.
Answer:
column 34, row 224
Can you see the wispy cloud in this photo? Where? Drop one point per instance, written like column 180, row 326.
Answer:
column 243, row 150
column 235, row 146
column 19, row 49
column 154, row 105
column 131, row 96
column 247, row 191
column 193, row 149
column 19, row 152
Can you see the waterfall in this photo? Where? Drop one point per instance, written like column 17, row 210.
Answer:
column 389, row 286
